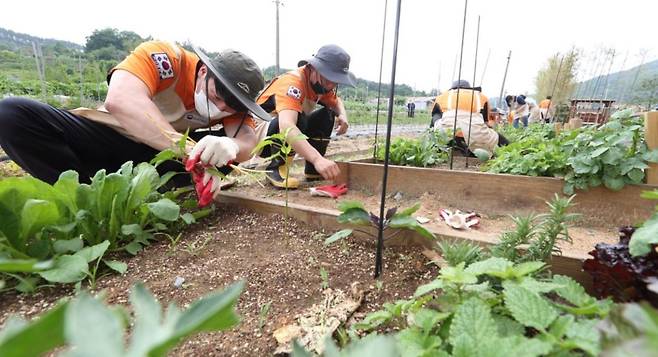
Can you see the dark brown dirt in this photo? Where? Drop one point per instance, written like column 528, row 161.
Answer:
column 280, row 263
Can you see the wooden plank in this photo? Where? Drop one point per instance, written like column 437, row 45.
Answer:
column 651, row 137
column 502, row 194
column 568, row 264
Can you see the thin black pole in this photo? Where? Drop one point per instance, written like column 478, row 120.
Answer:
column 500, row 96
column 484, row 71
column 559, row 68
column 461, row 54
column 380, row 236
column 379, row 86
column 475, row 66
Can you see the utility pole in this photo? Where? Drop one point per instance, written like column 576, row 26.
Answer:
column 277, row 69
column 38, row 56
column 502, row 87
column 81, row 78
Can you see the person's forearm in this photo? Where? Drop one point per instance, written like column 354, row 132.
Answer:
column 143, row 121
column 340, row 108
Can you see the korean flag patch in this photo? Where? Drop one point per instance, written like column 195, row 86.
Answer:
column 163, row 64
column 294, row 92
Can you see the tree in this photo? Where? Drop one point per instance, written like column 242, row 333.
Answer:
column 647, row 93
column 104, row 38
column 546, row 77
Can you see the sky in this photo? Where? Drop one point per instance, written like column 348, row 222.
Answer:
column 430, row 33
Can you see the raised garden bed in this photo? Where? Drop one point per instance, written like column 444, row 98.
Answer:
column 279, row 262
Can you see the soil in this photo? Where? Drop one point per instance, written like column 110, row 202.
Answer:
column 280, row 263
column 491, row 226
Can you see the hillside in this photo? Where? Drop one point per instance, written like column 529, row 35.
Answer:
column 13, row 41
column 620, row 82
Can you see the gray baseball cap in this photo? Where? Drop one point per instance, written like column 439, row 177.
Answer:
column 333, row 63
column 462, row 83
column 240, row 75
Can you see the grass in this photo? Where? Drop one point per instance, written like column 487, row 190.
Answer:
column 358, row 117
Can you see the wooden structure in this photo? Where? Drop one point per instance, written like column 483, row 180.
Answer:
column 651, row 137
column 591, row 111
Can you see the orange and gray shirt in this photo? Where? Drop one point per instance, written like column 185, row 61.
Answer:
column 292, row 91
column 169, row 73
column 544, row 104
column 470, row 101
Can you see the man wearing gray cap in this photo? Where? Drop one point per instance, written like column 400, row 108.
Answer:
column 157, row 92
column 292, row 97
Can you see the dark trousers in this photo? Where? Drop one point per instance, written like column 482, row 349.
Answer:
column 46, row 141
column 317, row 126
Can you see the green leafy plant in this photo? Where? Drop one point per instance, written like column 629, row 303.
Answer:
column 280, row 145
column 353, row 212
column 262, row 314
column 75, row 224
column 645, row 238
column 90, row 328
column 430, row 149
column 456, row 252
column 495, row 308
column 539, row 234
column 324, row 275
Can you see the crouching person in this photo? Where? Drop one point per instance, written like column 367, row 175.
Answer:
column 292, row 99
column 157, row 92
column 472, row 131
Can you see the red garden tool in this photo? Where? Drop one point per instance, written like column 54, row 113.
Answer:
column 333, row 191
column 197, row 169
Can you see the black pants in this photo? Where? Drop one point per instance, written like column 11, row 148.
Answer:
column 317, row 126
column 46, row 141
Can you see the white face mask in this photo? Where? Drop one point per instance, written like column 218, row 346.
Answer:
column 206, row 108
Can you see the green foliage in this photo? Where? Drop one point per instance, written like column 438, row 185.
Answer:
column 75, row 224
column 631, row 330
column 613, row 155
column 353, row 212
column 90, row 328
column 541, row 233
column 645, row 237
column 458, row 251
column 495, row 308
column 430, row 149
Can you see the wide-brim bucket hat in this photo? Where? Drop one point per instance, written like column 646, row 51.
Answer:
column 240, row 75
column 333, row 63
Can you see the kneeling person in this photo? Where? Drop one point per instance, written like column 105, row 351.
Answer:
column 292, row 98
column 469, row 113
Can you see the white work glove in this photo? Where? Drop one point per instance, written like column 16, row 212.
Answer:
column 215, row 150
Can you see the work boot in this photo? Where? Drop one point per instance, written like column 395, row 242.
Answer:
column 320, row 145
column 277, row 173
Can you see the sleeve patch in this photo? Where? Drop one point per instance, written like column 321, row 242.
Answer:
column 163, row 64
column 294, row 92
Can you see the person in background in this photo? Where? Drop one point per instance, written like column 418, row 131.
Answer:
column 521, row 111
column 535, row 115
column 157, row 92
column 292, row 99
column 469, row 113
column 546, row 109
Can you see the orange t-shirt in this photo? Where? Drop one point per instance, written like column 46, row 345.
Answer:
column 169, row 73
column 292, row 91
column 544, row 103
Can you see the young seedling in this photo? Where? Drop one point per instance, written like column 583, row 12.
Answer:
column 262, row 315
column 324, row 275
column 280, row 145
column 353, row 212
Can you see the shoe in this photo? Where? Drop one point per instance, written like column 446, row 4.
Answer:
column 276, row 174
column 310, row 173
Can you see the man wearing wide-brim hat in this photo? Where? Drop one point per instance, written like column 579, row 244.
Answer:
column 292, row 98
column 157, row 92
